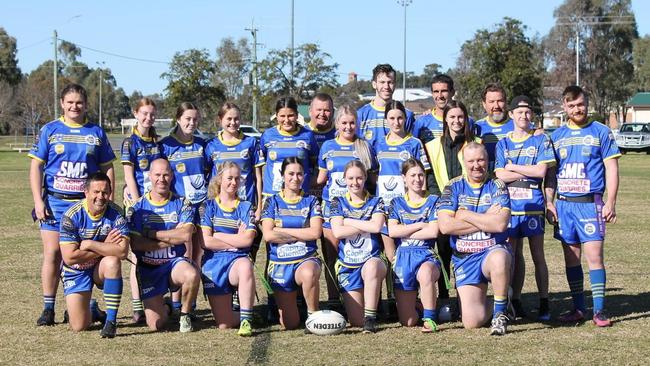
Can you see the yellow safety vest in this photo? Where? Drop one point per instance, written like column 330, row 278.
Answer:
column 436, row 156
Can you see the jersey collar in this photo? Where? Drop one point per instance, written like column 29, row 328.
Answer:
column 348, row 197
column 285, row 133
column 416, row 204
column 225, row 208
column 574, row 126
column 496, row 124
column 158, row 203
column 475, row 185
column 317, row 131
column 173, row 134
column 137, row 133
column 343, row 143
column 520, row 139
column 399, row 142
column 93, row 217
column 293, row 201
column 376, row 107
column 237, row 141
column 73, row 124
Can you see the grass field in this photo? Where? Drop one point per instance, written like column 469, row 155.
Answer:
column 628, row 301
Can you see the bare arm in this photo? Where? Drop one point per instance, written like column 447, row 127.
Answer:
column 397, row 230
column 340, row 230
column 110, row 171
column 242, row 239
column 131, row 184
column 179, row 235
column 212, row 243
column 322, row 177
column 450, row 225
column 72, row 254
column 430, row 231
column 313, row 232
column 372, row 226
column 494, row 220
column 273, row 236
column 115, row 245
column 530, row 171
column 611, row 180
column 550, row 184
column 36, row 185
column 508, row 176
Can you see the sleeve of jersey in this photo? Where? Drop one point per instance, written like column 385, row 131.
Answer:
column 313, row 145
column 268, row 211
column 379, row 207
column 501, row 195
column 106, row 155
column 448, row 200
column 263, row 150
column 546, row 154
column 410, row 121
column 247, row 216
column 68, row 233
column 373, row 158
column 392, row 211
column 205, row 215
column 133, row 220
column 258, row 157
column 335, row 207
column 433, row 214
column 315, row 209
column 500, row 154
column 40, row 149
column 120, row 225
column 125, row 152
column 186, row 215
column 609, row 146
column 209, row 163
column 422, row 156
column 321, row 156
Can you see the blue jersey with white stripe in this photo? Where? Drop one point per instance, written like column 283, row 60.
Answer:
column 334, row 155
column 371, row 123
column 189, row 165
column 580, row 152
column 490, row 133
column 391, row 156
column 291, row 214
column 245, row 152
column 139, row 151
column 227, row 220
column 169, row 214
column 355, row 250
column 277, row 145
column 428, row 127
column 530, row 150
column 77, row 224
column 403, row 211
column 459, row 194
column 322, row 136
column 70, row 152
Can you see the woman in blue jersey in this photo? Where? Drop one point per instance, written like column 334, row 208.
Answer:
column 287, row 139
column 291, row 224
column 185, row 153
column 413, row 224
column 66, row 152
column 334, row 155
column 228, row 231
column 138, row 151
column 357, row 219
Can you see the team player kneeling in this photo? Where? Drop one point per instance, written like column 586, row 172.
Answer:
column 484, row 219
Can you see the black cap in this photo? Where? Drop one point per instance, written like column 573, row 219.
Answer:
column 520, row 101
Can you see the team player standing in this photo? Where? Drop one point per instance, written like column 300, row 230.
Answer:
column 181, row 182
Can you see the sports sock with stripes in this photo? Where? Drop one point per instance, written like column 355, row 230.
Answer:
column 575, row 277
column 370, row 313
column 598, row 278
column 137, row 305
column 245, row 314
column 500, row 305
column 112, row 297
column 48, row 302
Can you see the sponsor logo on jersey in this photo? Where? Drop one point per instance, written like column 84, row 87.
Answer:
column 59, row 148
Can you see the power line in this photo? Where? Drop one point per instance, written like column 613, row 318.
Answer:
column 118, row 55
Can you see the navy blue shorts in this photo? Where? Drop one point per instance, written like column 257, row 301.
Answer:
column 56, row 207
column 156, row 280
column 468, row 270
column 407, row 264
column 282, row 276
column 215, row 272
column 77, row 280
column 580, row 222
column 526, row 226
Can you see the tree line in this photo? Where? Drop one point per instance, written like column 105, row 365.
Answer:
column 613, row 66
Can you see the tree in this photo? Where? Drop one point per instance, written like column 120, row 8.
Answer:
column 607, row 30
column 232, row 66
column 9, row 70
column 505, row 56
column 311, row 71
column 189, row 78
column 641, row 59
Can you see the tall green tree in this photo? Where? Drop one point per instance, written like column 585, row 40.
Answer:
column 504, row 55
column 190, row 79
column 607, row 30
column 312, row 71
column 232, row 66
column 9, row 70
column 641, row 57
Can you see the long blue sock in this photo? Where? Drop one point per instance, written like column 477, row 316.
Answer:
column 575, row 277
column 245, row 314
column 177, row 305
column 500, row 305
column 598, row 279
column 48, row 302
column 430, row 314
column 112, row 297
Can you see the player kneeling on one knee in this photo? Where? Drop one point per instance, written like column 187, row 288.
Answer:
column 412, row 221
column 291, row 224
column 228, row 231
column 357, row 220
column 475, row 210
column 160, row 224
column 94, row 239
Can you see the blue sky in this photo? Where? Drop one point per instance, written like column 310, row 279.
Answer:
column 358, row 34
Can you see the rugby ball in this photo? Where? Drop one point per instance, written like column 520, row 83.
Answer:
column 325, row 322
column 445, row 314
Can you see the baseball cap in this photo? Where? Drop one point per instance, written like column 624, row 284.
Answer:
column 520, row 101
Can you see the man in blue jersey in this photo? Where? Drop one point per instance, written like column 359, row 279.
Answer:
column 371, row 123
column 321, row 123
column 475, row 210
column 429, row 126
column 587, row 165
column 94, row 239
column 496, row 124
column 160, row 224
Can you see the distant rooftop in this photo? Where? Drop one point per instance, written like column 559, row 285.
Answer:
column 640, row 100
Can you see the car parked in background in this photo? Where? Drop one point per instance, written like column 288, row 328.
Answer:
column 634, row 137
column 250, row 131
column 204, row 135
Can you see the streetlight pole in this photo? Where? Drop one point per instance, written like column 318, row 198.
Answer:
column 55, row 77
column 253, row 31
column 101, row 81
column 292, row 32
column 404, row 3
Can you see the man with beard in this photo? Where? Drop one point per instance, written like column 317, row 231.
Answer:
column 587, row 164
column 496, row 124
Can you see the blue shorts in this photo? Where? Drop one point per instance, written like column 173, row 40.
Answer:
column 407, row 263
column 57, row 207
column 580, row 222
column 349, row 277
column 282, row 276
column 156, row 280
column 215, row 271
column 525, row 226
column 468, row 270
column 327, row 207
column 77, row 280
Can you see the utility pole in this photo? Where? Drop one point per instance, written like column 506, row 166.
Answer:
column 101, row 81
column 253, row 31
column 292, row 31
column 404, row 3
column 55, row 77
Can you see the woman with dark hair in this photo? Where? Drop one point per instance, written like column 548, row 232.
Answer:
column 291, row 225
column 446, row 158
column 287, row 139
column 66, row 151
